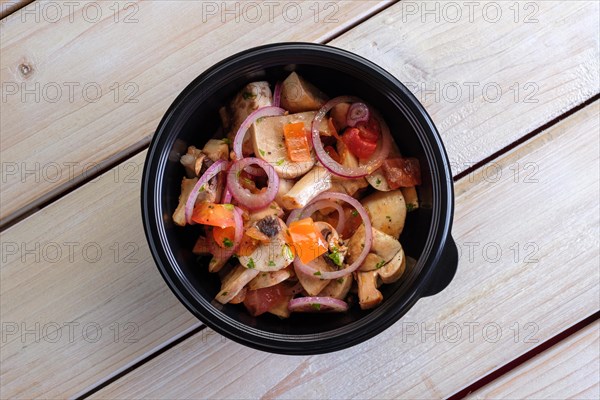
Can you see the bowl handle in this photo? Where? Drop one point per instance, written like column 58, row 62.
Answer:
column 445, row 270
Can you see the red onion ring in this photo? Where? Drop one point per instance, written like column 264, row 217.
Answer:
column 381, row 153
column 310, row 271
column 358, row 112
column 317, row 304
column 243, row 196
column 310, row 209
column 211, row 172
column 226, row 199
column 238, row 141
column 277, row 95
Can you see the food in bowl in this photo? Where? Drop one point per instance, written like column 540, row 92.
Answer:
column 302, row 200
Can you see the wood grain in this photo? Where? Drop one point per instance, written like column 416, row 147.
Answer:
column 510, row 301
column 568, row 370
column 486, row 83
column 93, row 80
column 503, row 54
column 8, row 7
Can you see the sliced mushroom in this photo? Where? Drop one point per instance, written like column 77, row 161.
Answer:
column 347, row 159
column 268, row 279
column 216, row 149
column 387, row 211
column 393, row 270
column 337, row 288
column 285, row 185
column 190, row 160
column 410, row 198
column 368, row 295
column 252, row 97
column 234, row 282
column 339, row 114
column 269, row 143
column 371, row 263
column 298, row 95
column 317, row 180
column 313, row 285
column 270, row 256
column 384, row 245
column 240, row 297
column 186, row 188
column 272, row 209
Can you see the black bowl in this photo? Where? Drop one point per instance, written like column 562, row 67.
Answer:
column 193, row 118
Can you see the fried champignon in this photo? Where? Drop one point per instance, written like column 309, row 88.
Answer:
column 269, row 225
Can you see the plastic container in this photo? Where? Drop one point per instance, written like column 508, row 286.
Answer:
column 193, row 118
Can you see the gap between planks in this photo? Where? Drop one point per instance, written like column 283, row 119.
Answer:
column 493, row 376
column 114, row 160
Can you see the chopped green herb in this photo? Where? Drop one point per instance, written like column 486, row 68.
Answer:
column 248, row 181
column 280, row 162
column 262, row 152
column 410, row 207
column 202, row 188
column 316, row 306
column 258, row 121
column 250, row 263
column 228, row 207
column 227, row 242
column 354, row 213
column 248, row 96
column 318, row 273
column 226, row 141
column 340, row 280
column 273, row 207
column 224, row 293
column 210, row 206
column 380, row 264
column 378, row 182
column 271, row 263
column 288, row 252
column 389, row 218
column 336, row 257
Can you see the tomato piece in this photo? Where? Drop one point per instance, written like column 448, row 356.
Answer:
column 262, row 300
column 308, row 241
column 296, row 142
column 247, row 245
column 212, row 214
column 370, row 130
column 224, row 236
column 402, row 172
column 357, row 145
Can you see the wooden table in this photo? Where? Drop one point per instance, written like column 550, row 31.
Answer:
column 513, row 88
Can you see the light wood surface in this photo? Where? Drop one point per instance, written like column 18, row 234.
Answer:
column 508, row 55
column 130, row 294
column 510, row 304
column 538, row 73
column 570, row 369
column 72, row 136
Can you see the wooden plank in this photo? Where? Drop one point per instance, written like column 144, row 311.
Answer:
column 8, row 7
column 418, row 53
column 568, row 370
column 90, row 93
column 498, row 306
column 80, row 297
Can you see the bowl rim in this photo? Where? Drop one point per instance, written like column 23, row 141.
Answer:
column 339, row 338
